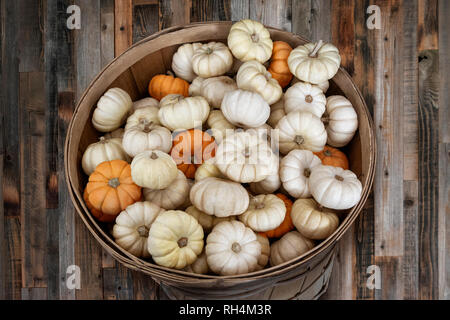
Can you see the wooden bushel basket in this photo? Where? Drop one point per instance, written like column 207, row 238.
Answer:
column 305, row 277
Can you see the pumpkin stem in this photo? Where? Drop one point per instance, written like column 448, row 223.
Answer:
column 209, row 50
column 143, row 231
column 182, row 242
column 255, row 37
column 170, row 73
column 316, row 49
column 309, row 98
column 236, row 247
column 102, row 140
column 259, row 205
column 299, row 139
column 327, row 153
column 338, row 178
column 114, row 182
column 325, row 119
column 246, row 152
column 307, row 172
column 154, row 156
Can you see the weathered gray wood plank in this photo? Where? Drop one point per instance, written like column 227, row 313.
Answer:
column 145, row 21
column 311, row 19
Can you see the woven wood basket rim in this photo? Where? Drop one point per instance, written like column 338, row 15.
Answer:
column 138, row 264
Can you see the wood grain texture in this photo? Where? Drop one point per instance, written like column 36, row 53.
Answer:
column 311, row 19
column 428, row 24
column 173, row 12
column 145, row 21
column 210, row 10
column 275, row 13
column 123, row 33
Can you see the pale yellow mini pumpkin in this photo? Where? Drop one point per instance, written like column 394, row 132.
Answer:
column 104, row 150
column 341, row 121
column 112, row 110
column 292, row 245
column 200, row 266
column 295, row 169
column 214, row 89
column 207, row 221
column 232, row 248
column 182, row 61
column 144, row 103
column 219, row 125
column 276, row 113
column 153, row 169
column 142, row 116
column 132, row 226
column 245, row 157
column 265, row 251
column 233, row 199
column 305, row 97
column 301, row 130
column 118, row 133
column 146, row 136
column 175, row 239
column 250, row 40
column 177, row 112
column 323, row 85
column 253, row 76
column 312, row 220
column 208, row 169
column 211, row 60
column 195, row 88
column 171, row 197
column 265, row 212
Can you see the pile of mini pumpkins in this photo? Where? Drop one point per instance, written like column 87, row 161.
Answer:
column 232, row 163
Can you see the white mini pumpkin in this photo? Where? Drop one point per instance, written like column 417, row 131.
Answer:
column 265, row 212
column 314, row 62
column 182, row 61
column 269, row 185
column 144, row 103
column 301, row 130
column 265, row 251
column 290, row 246
column 153, row 169
column 146, row 136
column 175, row 239
column 195, row 88
column 200, row 265
column 250, row 40
column 334, row 187
column 211, row 60
column 143, row 116
column 208, row 169
column 171, row 197
column 118, row 133
column 187, row 202
column 232, row 248
column 218, row 197
column 312, row 220
column 214, row 89
column 305, row 97
column 341, row 121
column 245, row 108
column 219, row 125
column 104, row 150
column 207, row 221
column 295, row 169
column 132, row 225
column 322, row 86
column 177, row 112
column 276, row 113
column 112, row 110
column 245, row 157
column 253, row 76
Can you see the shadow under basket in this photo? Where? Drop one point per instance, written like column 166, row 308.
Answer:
column 305, row 277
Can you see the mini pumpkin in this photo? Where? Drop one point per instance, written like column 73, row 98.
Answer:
column 245, row 108
column 233, row 199
column 146, row 136
column 295, row 170
column 200, row 265
column 322, row 86
column 334, row 187
column 104, row 150
column 279, row 68
column 208, row 169
column 190, row 149
column 265, row 212
column 250, row 40
column 266, row 186
column 161, row 85
column 312, row 220
column 171, row 197
column 341, row 121
column 178, row 113
column 132, row 226
column 118, row 133
column 290, row 246
column 175, row 239
column 142, row 116
column 214, row 89
column 112, row 110
column 301, row 130
column 232, row 248
column 219, row 125
column 111, row 189
column 276, row 113
column 182, row 61
column 144, row 103
column 195, row 88
column 265, row 251
column 287, row 224
column 187, row 202
column 333, row 157
column 314, row 62
column 253, row 76
column 211, row 60
column 305, row 97
column 153, row 169
column 207, row 221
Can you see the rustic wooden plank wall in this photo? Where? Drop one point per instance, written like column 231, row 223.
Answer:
column 402, row 70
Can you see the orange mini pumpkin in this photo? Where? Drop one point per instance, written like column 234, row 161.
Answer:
column 279, row 68
column 110, row 190
column 287, row 224
column 333, row 157
column 161, row 85
column 190, row 149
